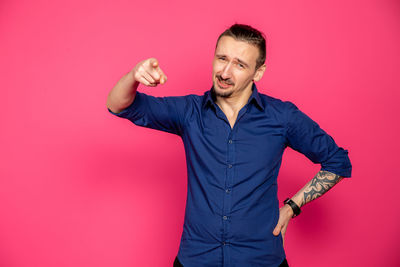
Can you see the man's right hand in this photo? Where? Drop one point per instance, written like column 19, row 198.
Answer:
column 148, row 72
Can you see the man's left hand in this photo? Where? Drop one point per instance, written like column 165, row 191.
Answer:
column 285, row 214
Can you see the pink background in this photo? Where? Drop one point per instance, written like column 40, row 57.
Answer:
column 80, row 187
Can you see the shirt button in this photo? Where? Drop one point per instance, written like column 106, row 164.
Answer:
column 227, row 190
column 224, row 243
column 229, row 166
column 230, row 141
column 225, row 217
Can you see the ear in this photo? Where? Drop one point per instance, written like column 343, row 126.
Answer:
column 259, row 73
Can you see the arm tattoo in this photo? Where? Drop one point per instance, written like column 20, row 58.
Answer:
column 320, row 184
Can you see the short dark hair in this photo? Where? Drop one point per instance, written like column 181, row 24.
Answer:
column 246, row 33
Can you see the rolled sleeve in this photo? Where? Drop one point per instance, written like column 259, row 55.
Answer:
column 159, row 113
column 305, row 136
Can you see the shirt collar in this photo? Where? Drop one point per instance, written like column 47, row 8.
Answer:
column 254, row 97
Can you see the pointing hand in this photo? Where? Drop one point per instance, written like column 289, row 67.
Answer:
column 148, row 72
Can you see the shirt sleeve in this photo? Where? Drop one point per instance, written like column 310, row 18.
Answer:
column 159, row 113
column 305, row 136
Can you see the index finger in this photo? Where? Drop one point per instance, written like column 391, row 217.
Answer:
column 155, row 65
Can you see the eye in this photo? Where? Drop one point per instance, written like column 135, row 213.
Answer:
column 240, row 65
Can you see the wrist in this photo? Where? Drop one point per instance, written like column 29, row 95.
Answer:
column 293, row 207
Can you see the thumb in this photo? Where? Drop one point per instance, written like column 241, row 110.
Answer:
column 277, row 229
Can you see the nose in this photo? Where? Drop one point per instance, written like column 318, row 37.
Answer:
column 226, row 72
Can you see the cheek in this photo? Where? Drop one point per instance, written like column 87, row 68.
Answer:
column 243, row 78
column 217, row 67
column 239, row 75
column 215, row 70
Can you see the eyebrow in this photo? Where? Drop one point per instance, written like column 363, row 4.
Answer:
column 238, row 59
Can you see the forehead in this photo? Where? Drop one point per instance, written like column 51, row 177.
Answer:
column 231, row 47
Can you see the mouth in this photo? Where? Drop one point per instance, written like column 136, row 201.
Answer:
column 223, row 84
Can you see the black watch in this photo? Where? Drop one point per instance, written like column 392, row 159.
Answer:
column 296, row 209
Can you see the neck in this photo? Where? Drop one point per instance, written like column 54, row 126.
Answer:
column 233, row 104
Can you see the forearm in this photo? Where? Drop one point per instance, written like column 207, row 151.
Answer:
column 123, row 93
column 322, row 182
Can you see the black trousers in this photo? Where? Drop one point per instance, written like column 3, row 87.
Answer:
column 178, row 264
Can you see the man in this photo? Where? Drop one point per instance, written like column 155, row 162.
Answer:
column 234, row 139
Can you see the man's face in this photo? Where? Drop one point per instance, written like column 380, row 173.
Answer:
column 234, row 66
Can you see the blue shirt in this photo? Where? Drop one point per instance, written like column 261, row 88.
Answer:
column 232, row 205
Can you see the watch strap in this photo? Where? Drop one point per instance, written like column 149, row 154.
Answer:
column 296, row 209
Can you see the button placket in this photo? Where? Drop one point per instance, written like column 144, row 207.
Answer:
column 230, row 145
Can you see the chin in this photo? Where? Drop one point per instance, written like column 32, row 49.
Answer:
column 222, row 92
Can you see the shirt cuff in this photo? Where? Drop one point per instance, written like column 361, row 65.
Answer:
column 119, row 114
column 345, row 173
column 125, row 112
